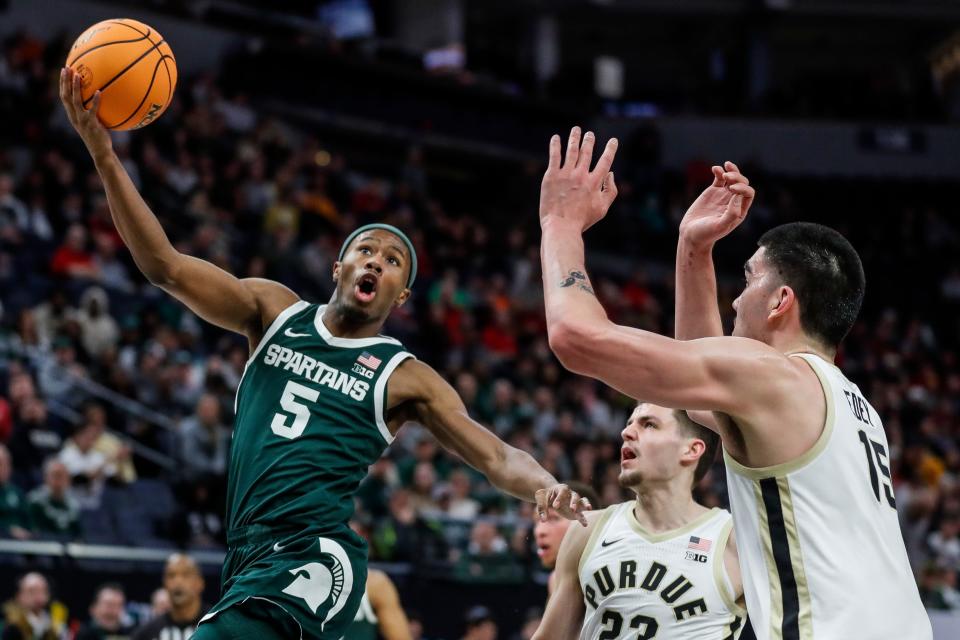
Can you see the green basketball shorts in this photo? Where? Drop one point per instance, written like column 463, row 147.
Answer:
column 306, row 584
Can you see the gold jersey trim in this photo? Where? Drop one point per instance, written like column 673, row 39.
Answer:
column 649, row 536
column 599, row 526
column 785, row 468
column 719, row 567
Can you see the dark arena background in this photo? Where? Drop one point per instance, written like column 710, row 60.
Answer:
column 294, row 122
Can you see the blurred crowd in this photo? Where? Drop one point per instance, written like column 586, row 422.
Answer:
column 251, row 193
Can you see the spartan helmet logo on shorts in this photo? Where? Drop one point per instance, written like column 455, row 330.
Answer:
column 316, row 583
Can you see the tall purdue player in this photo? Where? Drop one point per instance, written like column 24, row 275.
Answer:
column 314, row 410
column 807, row 459
column 661, row 566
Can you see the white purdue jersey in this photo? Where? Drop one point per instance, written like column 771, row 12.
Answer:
column 821, row 552
column 670, row 586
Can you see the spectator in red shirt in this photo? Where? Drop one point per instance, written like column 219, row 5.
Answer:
column 499, row 336
column 72, row 258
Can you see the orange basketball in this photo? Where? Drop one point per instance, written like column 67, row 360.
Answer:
column 132, row 66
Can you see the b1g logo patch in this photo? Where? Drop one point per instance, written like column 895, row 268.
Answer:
column 695, row 557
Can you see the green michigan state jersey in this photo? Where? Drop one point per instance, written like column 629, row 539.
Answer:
column 310, row 420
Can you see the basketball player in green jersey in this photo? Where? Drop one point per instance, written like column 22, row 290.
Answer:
column 314, row 410
column 380, row 612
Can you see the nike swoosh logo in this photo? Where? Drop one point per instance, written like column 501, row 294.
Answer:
column 607, row 544
column 277, row 547
column 291, row 334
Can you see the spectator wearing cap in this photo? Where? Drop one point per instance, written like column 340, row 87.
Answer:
column 108, row 618
column 14, row 518
column 53, row 511
column 30, row 615
column 480, row 624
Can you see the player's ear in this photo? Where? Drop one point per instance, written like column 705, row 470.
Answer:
column 782, row 301
column 403, row 297
column 695, row 448
column 336, row 271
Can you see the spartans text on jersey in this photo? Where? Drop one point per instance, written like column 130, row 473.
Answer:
column 303, row 365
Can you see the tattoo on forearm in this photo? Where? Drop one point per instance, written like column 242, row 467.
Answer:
column 577, row 278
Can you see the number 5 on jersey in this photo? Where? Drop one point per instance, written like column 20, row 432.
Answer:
column 300, row 411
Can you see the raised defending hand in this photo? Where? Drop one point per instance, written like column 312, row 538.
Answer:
column 565, row 501
column 84, row 119
column 720, row 208
column 571, row 192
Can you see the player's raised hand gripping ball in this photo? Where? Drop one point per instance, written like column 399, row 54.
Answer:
column 132, row 67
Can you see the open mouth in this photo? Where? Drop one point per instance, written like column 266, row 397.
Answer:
column 626, row 453
column 366, row 288
column 542, row 550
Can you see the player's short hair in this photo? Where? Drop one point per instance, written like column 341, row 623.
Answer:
column 710, row 438
column 825, row 273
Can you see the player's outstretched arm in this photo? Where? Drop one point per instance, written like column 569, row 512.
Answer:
column 417, row 392
column 385, row 601
column 714, row 214
column 565, row 609
column 244, row 306
column 731, row 375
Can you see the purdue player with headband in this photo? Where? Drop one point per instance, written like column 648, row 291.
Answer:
column 661, row 566
column 808, row 472
column 321, row 397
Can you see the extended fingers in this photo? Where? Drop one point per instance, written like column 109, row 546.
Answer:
column 66, row 89
column 609, row 188
column 573, row 148
column 95, row 104
column 76, row 87
column 554, row 154
column 606, row 158
column 586, row 152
